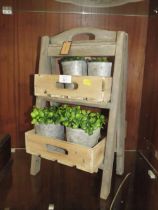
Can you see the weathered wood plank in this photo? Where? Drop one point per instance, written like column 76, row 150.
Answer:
column 112, row 123
column 82, row 102
column 100, row 48
column 122, row 124
column 35, row 164
column 44, row 61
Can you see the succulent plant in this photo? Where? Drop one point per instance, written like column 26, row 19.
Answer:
column 69, row 116
column 72, row 58
column 98, row 59
column 75, row 117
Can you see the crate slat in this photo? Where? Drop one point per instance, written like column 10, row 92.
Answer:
column 84, row 48
column 82, row 102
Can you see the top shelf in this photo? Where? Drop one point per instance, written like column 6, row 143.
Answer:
column 84, row 48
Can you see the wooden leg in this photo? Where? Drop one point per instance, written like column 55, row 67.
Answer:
column 120, row 146
column 121, row 129
column 110, row 149
column 109, row 155
column 120, row 141
column 35, row 165
column 118, row 77
column 107, row 174
column 106, row 178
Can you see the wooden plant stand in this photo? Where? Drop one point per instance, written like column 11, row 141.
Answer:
column 102, row 92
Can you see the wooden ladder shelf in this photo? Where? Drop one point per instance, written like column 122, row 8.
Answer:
column 113, row 97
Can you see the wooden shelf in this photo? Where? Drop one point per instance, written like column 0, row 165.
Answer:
column 90, row 90
column 103, row 105
column 78, row 47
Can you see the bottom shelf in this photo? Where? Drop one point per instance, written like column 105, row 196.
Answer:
column 83, row 158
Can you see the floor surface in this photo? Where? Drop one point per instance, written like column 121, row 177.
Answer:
column 71, row 189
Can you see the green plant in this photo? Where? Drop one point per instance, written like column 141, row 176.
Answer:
column 72, row 58
column 98, row 59
column 75, row 117
column 47, row 115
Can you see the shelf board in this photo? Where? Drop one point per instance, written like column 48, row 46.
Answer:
column 78, row 102
column 84, row 48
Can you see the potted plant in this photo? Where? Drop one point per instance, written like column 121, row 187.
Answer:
column 99, row 66
column 74, row 65
column 82, row 126
column 47, row 123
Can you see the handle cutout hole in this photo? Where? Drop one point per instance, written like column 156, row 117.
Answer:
column 72, row 86
column 87, row 36
column 51, row 148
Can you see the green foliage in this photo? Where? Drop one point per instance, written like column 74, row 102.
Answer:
column 73, row 117
column 72, row 58
column 79, row 58
column 98, row 59
column 48, row 115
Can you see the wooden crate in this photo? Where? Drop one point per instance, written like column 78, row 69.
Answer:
column 87, row 87
column 84, row 158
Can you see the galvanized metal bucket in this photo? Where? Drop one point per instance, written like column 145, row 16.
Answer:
column 78, row 136
column 74, row 68
column 99, row 69
column 51, row 130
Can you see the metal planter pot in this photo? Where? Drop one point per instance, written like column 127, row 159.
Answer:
column 51, row 130
column 78, row 136
column 99, row 69
column 74, row 68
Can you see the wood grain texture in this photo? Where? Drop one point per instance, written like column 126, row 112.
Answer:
column 99, row 48
column 8, row 122
column 148, row 130
column 27, row 53
column 21, row 34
